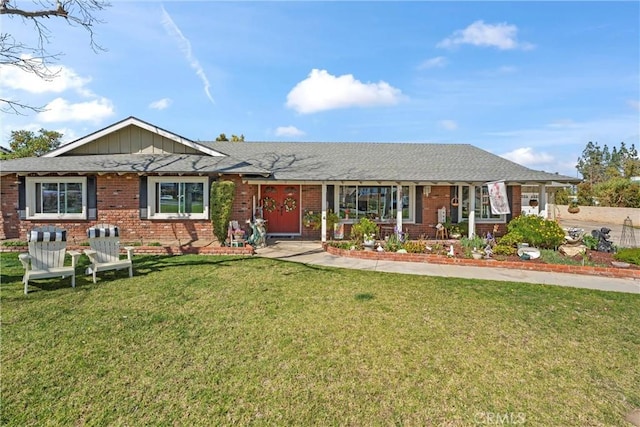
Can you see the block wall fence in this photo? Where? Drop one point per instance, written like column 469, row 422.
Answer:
column 118, row 199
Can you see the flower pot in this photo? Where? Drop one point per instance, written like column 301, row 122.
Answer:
column 476, row 255
column 533, row 203
column 573, row 209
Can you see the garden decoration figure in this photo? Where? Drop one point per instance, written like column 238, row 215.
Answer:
column 604, row 243
column 490, row 242
column 574, row 235
column 258, row 236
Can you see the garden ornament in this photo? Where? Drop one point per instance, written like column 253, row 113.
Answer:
column 604, row 242
column 258, row 236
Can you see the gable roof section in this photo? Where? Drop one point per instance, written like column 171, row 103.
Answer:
column 131, row 121
column 418, row 162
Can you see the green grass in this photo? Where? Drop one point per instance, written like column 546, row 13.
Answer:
column 196, row 340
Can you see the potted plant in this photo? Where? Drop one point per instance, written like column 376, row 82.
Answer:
column 573, row 207
column 364, row 231
column 315, row 220
column 477, row 254
column 310, row 219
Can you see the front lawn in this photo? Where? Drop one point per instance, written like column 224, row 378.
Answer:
column 202, row 340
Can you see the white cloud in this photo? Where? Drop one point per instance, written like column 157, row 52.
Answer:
column 289, row 131
column 322, row 91
column 448, row 124
column 161, row 104
column 185, row 47
column 61, row 110
column 502, row 36
column 563, row 124
column 65, row 79
column 527, row 157
column 436, row 62
column 635, row 104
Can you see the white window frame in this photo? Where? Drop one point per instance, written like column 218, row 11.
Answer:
column 30, row 197
column 478, row 219
column 152, row 182
column 412, row 201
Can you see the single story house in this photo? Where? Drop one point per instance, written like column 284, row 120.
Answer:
column 155, row 184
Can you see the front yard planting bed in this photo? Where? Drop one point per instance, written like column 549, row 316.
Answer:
column 511, row 262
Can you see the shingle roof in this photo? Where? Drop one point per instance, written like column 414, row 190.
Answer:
column 345, row 161
column 308, row 161
column 141, row 163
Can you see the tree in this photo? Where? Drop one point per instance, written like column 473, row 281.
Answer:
column 37, row 59
column 620, row 192
column 602, row 171
column 592, row 163
column 234, row 138
column 25, row 143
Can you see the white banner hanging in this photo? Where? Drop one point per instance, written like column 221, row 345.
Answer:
column 498, row 198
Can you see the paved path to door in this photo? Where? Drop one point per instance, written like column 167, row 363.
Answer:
column 312, row 253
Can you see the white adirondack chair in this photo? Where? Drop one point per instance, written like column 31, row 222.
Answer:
column 104, row 254
column 47, row 247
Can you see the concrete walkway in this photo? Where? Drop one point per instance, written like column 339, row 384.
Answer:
column 312, row 253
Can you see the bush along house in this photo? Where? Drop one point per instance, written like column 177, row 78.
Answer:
column 155, row 185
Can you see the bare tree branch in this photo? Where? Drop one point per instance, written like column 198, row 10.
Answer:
column 14, row 107
column 36, row 59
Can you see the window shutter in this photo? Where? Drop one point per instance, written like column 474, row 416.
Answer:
column 419, row 197
column 22, row 197
column 331, row 198
column 453, row 209
column 510, row 198
column 143, row 198
column 92, row 198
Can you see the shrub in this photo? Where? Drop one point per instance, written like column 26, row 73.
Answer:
column 476, row 242
column 630, row 255
column 393, row 244
column 537, row 231
column 11, row 243
column 468, row 245
column 344, row 244
column 589, row 241
column 363, row 227
column 501, row 249
column 415, row 246
column 222, row 195
column 511, row 239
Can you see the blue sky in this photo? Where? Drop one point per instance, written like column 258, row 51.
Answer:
column 529, row 81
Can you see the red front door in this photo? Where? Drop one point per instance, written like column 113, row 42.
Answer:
column 281, row 208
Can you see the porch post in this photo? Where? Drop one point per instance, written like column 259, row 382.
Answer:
column 323, row 229
column 472, row 211
column 399, row 208
column 543, row 200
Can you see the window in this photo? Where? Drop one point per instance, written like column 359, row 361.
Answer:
column 174, row 197
column 378, row 203
column 482, row 205
column 56, row 198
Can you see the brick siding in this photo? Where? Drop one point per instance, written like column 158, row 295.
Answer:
column 118, row 203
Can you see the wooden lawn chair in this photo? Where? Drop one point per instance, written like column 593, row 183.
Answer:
column 104, row 254
column 47, row 248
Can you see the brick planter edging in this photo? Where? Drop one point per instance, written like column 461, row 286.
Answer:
column 615, row 272
column 161, row 250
